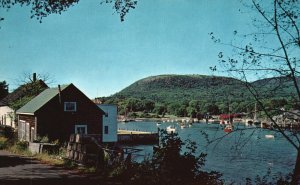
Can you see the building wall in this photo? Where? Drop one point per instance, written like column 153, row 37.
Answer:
column 110, row 122
column 54, row 122
column 26, row 127
column 7, row 116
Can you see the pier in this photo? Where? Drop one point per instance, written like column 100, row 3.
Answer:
column 137, row 137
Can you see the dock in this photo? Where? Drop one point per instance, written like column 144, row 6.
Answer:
column 137, row 137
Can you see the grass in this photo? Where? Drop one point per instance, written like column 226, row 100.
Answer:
column 20, row 148
column 49, row 159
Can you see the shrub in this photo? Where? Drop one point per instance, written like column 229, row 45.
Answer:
column 3, row 143
column 168, row 166
column 22, row 145
column 7, row 131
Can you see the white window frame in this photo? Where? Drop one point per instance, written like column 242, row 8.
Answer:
column 65, row 106
column 81, row 126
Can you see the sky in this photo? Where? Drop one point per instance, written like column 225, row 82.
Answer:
column 90, row 47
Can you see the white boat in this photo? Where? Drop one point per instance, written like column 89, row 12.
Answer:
column 158, row 124
column 269, row 136
column 183, row 126
column 171, row 129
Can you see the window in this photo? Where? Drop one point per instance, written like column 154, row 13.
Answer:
column 105, row 129
column 70, row 106
column 80, row 129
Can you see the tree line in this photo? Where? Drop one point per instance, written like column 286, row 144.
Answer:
column 193, row 108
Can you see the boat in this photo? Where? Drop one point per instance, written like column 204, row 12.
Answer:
column 184, row 125
column 171, row 129
column 222, row 122
column 269, row 136
column 228, row 128
column 158, row 124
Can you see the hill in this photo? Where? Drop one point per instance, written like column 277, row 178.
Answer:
column 178, row 91
column 167, row 88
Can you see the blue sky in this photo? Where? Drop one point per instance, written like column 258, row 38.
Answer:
column 89, row 46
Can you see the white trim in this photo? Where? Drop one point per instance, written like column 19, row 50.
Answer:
column 24, row 113
column 65, row 106
column 78, row 126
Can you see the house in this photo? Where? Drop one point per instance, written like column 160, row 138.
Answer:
column 110, row 124
column 57, row 113
column 21, row 95
column 288, row 119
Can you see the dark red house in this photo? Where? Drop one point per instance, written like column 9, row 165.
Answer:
column 57, row 113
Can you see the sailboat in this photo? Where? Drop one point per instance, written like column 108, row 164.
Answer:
column 229, row 127
column 256, row 122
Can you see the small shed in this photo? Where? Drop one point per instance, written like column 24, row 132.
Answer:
column 57, row 113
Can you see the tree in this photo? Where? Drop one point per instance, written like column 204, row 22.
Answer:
column 193, row 108
column 174, row 163
column 3, row 89
column 41, row 9
column 271, row 51
column 30, row 86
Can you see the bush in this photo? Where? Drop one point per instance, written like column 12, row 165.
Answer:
column 3, row 143
column 22, row 145
column 7, row 131
column 43, row 139
column 168, row 166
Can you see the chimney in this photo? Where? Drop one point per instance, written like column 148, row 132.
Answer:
column 34, row 77
column 59, row 94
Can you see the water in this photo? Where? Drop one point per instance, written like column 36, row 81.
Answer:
column 241, row 154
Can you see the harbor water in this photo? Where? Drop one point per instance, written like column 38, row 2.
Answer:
column 242, row 154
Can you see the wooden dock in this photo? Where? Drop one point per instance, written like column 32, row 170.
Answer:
column 137, row 137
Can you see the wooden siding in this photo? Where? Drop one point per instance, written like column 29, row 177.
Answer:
column 54, row 122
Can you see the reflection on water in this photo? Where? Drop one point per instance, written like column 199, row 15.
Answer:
column 241, row 154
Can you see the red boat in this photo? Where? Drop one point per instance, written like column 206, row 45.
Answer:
column 228, row 128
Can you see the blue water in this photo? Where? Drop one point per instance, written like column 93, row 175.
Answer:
column 241, row 154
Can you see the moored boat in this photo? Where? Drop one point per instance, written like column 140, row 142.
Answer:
column 269, row 136
column 228, row 128
column 171, row 129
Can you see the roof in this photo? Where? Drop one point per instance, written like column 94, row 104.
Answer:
column 40, row 100
column 22, row 91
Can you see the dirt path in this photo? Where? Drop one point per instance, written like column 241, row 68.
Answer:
column 16, row 169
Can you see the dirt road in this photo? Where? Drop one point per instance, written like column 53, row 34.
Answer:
column 16, row 169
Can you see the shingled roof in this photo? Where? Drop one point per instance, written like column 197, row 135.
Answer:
column 22, row 91
column 40, row 100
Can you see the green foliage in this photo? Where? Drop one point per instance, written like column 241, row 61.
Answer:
column 30, row 90
column 20, row 102
column 192, row 95
column 3, row 89
column 169, row 166
column 22, row 145
column 268, row 179
column 3, row 142
column 42, row 139
column 7, row 131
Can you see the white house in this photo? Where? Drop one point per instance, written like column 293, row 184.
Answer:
column 7, row 116
column 110, row 124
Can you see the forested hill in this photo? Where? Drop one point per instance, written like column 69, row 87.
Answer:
column 181, row 94
column 170, row 88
